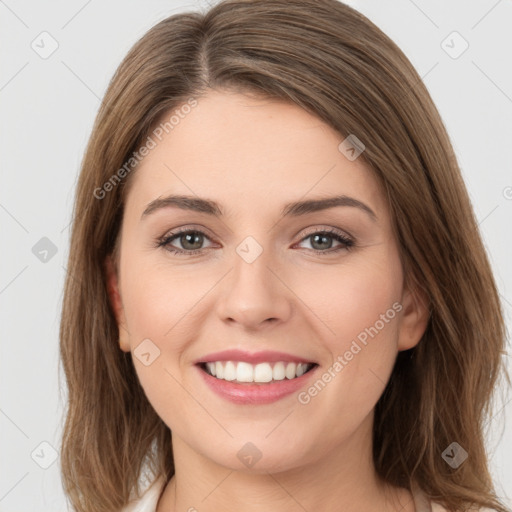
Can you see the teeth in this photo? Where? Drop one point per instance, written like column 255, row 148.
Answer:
column 290, row 371
column 219, row 370
column 229, row 371
column 211, row 368
column 244, row 372
column 262, row 372
column 278, row 372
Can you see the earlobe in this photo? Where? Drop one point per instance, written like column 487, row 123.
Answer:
column 116, row 303
column 414, row 319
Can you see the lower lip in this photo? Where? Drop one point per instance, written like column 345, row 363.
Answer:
column 254, row 393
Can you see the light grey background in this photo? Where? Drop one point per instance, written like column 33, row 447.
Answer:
column 47, row 107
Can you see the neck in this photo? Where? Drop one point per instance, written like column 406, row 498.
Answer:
column 344, row 480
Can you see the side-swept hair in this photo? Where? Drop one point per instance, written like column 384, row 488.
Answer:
column 332, row 61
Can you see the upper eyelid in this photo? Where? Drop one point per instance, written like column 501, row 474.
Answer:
column 187, row 229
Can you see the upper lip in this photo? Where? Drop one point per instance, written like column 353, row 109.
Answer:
column 252, row 357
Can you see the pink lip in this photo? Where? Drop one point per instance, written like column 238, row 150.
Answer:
column 255, row 393
column 265, row 356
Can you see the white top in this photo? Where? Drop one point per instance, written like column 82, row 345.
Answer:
column 149, row 500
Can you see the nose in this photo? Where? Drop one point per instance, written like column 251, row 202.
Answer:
column 254, row 294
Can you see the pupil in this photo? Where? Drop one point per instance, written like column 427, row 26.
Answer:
column 322, row 237
column 190, row 236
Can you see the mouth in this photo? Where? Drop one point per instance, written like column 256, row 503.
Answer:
column 241, row 372
column 255, row 378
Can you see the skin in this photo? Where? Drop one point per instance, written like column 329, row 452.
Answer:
column 252, row 156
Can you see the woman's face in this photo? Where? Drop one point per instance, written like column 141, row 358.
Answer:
column 317, row 285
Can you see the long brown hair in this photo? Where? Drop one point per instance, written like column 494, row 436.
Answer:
column 332, row 61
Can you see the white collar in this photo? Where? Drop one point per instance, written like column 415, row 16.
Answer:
column 149, row 500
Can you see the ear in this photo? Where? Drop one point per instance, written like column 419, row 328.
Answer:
column 414, row 319
column 116, row 303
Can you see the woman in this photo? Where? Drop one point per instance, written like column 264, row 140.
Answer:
column 274, row 258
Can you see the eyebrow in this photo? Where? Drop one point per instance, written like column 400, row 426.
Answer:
column 294, row 209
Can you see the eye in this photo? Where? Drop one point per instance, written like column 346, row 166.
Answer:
column 190, row 241
column 321, row 241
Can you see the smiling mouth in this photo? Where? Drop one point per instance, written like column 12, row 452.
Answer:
column 241, row 372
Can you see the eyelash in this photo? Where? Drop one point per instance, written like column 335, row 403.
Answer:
column 348, row 243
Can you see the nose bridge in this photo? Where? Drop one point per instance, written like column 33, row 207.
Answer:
column 253, row 293
column 251, row 265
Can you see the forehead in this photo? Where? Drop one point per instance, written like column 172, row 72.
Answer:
column 249, row 153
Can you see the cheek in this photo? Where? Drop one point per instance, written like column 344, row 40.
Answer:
column 351, row 298
column 159, row 306
column 157, row 301
column 360, row 304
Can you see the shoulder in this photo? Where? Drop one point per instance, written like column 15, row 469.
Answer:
column 149, row 500
column 436, row 507
column 424, row 504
